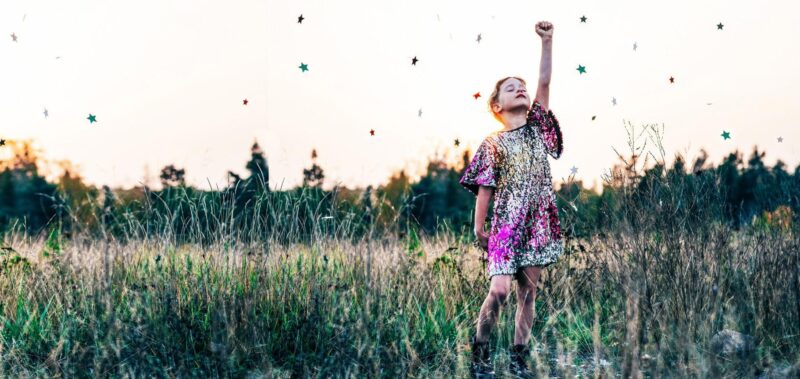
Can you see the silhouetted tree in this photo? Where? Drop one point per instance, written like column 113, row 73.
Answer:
column 172, row 176
column 313, row 176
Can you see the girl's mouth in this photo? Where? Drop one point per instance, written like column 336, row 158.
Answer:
column 521, row 95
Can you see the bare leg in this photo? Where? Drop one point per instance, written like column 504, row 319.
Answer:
column 527, row 277
column 498, row 292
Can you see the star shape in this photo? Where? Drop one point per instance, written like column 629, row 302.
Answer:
column 719, row 26
column 372, row 132
column 634, row 46
column 414, row 61
column 476, row 95
column 300, row 19
column 420, row 112
column 13, row 37
column 726, row 135
column 45, row 113
column 780, row 139
column 2, row 142
column 593, row 117
column 92, row 118
column 581, row 69
column 671, row 79
column 244, row 101
column 573, row 170
column 456, row 142
column 303, row 66
column 614, row 100
column 479, row 38
column 708, row 103
column 583, row 19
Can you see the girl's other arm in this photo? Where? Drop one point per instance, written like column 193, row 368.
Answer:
column 481, row 208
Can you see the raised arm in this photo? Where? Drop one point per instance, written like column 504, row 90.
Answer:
column 545, row 30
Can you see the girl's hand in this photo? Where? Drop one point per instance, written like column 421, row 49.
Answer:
column 544, row 29
column 482, row 240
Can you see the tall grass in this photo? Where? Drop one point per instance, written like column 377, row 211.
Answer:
column 343, row 299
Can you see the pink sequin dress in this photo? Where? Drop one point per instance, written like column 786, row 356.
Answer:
column 525, row 230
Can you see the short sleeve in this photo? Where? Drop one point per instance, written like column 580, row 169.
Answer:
column 546, row 124
column 482, row 170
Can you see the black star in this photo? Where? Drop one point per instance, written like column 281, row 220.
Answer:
column 414, row 61
column 671, row 79
column 457, row 142
column 300, row 19
column 583, row 19
column 2, row 142
column 593, row 117
column 372, row 132
column 719, row 26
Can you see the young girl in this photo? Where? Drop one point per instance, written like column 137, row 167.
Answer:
column 511, row 166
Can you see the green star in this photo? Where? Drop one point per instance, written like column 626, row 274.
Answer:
column 583, row 18
column 92, row 118
column 303, row 66
column 581, row 69
column 719, row 26
column 726, row 135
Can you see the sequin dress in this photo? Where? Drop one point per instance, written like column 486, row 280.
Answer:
column 525, row 230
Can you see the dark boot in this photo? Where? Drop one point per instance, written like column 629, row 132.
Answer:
column 481, row 367
column 518, row 363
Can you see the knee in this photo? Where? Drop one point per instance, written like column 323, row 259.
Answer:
column 527, row 294
column 499, row 295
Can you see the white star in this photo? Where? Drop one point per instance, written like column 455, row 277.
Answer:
column 573, row 170
column 420, row 112
column 634, row 46
column 45, row 113
column 780, row 139
column 13, row 37
column 479, row 38
column 614, row 100
column 708, row 103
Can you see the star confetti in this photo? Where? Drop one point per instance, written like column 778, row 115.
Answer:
column 573, row 170
column 719, row 26
column 420, row 112
column 634, row 46
column 46, row 113
column 2, row 142
column 726, row 135
column 614, row 100
column 583, row 19
column 456, row 142
column 780, row 139
column 414, row 61
column 476, row 95
column 303, row 66
column 581, row 69
column 593, row 117
column 479, row 38
column 92, row 118
column 300, row 19
column 372, row 132
column 671, row 79
column 13, row 37
column 244, row 101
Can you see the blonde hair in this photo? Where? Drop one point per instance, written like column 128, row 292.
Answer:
column 496, row 94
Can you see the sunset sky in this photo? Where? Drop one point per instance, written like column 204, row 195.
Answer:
column 166, row 81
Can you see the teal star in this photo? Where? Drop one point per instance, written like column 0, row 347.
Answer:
column 719, row 26
column 581, row 69
column 303, row 66
column 92, row 118
column 726, row 135
column 583, row 18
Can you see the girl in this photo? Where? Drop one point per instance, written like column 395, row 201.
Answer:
column 511, row 166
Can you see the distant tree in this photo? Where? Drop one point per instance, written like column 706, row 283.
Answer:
column 172, row 176
column 313, row 176
column 259, row 170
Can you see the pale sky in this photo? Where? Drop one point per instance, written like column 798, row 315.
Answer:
column 166, row 80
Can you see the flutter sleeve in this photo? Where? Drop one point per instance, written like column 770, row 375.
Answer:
column 483, row 169
column 546, row 124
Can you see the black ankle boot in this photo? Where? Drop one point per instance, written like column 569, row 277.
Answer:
column 518, row 363
column 481, row 367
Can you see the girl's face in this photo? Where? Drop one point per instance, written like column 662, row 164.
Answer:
column 512, row 96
